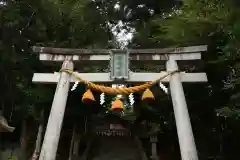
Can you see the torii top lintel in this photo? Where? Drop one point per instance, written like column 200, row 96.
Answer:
column 102, row 56
column 70, row 51
column 49, row 54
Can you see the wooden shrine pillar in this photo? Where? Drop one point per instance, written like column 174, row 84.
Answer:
column 51, row 138
column 184, row 128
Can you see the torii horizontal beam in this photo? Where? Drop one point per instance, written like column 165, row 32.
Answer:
column 70, row 51
column 59, row 54
column 47, row 78
column 136, row 57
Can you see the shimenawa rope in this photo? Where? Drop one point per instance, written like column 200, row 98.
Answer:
column 113, row 91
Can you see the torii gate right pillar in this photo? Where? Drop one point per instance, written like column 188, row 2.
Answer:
column 184, row 128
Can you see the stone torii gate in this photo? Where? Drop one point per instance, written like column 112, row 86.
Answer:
column 69, row 57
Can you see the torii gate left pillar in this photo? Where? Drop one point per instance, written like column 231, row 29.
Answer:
column 52, row 135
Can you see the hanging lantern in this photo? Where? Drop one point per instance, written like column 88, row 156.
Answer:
column 117, row 105
column 147, row 95
column 88, row 97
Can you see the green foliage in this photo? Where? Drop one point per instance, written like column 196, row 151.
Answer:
column 55, row 23
column 214, row 23
column 158, row 24
column 12, row 158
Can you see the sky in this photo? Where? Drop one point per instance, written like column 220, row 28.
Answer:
column 124, row 36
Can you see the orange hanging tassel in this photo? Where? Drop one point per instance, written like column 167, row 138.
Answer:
column 88, row 97
column 117, row 105
column 147, row 95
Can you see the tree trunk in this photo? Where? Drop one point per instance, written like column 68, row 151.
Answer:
column 23, row 141
column 39, row 138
